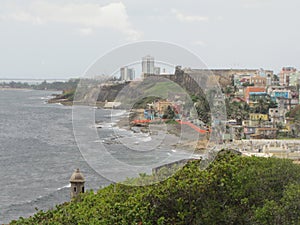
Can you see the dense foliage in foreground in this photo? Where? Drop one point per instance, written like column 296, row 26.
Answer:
column 232, row 190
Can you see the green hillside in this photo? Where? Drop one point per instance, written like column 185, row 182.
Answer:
column 163, row 88
column 232, row 190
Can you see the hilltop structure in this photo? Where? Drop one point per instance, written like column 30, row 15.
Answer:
column 148, row 66
column 127, row 74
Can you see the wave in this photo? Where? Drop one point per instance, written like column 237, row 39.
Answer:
column 46, row 98
column 28, row 208
column 146, row 139
column 66, row 186
column 104, row 125
column 117, row 113
column 42, row 197
column 122, row 129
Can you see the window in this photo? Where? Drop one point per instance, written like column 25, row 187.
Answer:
column 75, row 189
column 82, row 189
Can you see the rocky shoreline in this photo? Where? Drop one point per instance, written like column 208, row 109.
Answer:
column 125, row 122
column 67, row 102
column 173, row 130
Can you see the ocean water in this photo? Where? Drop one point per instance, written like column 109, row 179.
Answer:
column 39, row 152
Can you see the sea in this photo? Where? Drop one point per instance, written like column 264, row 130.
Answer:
column 39, row 151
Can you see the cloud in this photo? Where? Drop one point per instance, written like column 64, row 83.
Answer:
column 199, row 43
column 219, row 18
column 255, row 4
column 87, row 16
column 22, row 17
column 188, row 18
column 86, row 31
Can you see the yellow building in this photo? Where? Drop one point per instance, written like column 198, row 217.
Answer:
column 259, row 117
column 161, row 106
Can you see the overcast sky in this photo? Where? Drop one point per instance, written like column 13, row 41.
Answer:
column 60, row 39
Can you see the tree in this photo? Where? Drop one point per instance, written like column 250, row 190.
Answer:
column 231, row 190
column 237, row 110
column 203, row 110
column 169, row 113
column 246, row 84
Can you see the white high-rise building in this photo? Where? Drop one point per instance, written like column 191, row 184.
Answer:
column 131, row 73
column 148, row 65
column 156, row 70
column 127, row 73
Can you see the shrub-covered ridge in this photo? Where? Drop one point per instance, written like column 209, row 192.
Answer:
column 232, row 190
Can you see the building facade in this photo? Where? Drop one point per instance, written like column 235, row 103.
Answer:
column 127, row 74
column 148, row 65
column 284, row 75
column 294, row 78
column 258, row 81
column 250, row 90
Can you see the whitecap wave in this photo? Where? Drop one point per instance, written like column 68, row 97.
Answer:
column 146, row 139
column 46, row 98
column 99, row 141
column 117, row 113
column 107, row 125
column 66, row 186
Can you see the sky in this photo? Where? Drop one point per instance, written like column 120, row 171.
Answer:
column 61, row 39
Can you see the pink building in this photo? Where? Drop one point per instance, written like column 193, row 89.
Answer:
column 284, row 76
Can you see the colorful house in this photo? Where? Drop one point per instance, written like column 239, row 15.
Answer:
column 253, row 89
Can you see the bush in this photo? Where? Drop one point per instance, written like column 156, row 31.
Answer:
column 231, row 190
